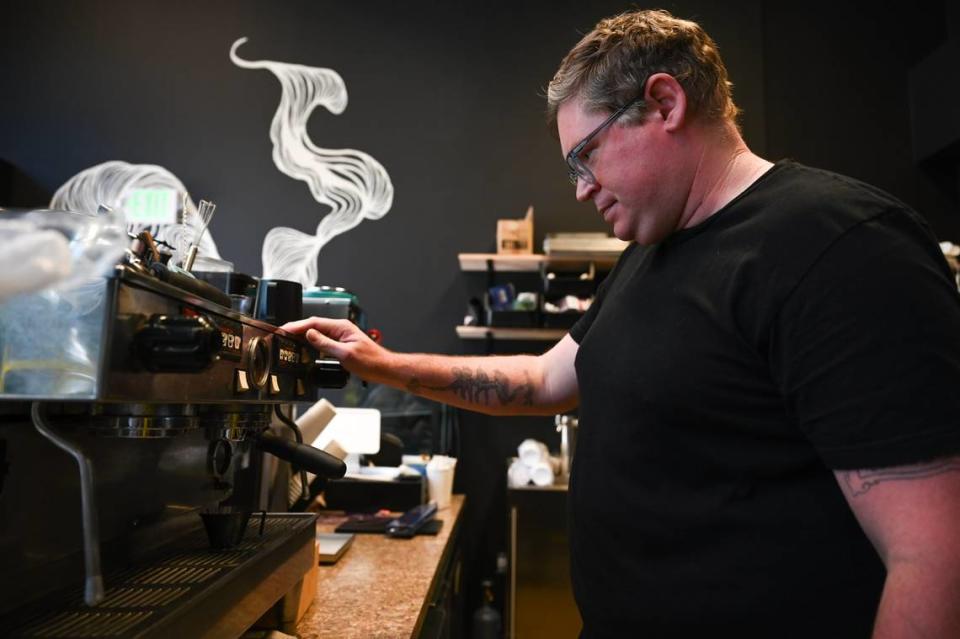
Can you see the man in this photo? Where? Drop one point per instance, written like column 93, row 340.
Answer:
column 767, row 381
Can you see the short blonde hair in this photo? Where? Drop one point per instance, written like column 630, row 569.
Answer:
column 609, row 65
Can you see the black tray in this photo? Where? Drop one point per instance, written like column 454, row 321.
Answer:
column 565, row 319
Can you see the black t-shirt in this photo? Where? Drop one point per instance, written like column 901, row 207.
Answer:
column 810, row 325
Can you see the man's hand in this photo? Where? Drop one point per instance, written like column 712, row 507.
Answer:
column 342, row 339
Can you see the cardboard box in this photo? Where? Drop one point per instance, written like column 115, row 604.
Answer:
column 308, row 588
column 516, row 236
column 291, row 608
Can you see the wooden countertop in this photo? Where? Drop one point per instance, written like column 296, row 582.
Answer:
column 380, row 586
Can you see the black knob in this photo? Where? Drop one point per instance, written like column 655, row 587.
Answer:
column 175, row 344
column 327, row 373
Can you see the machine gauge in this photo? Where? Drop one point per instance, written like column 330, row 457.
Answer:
column 288, row 353
column 231, row 338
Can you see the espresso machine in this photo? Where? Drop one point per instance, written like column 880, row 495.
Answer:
column 136, row 411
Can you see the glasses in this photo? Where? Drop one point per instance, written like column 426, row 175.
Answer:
column 577, row 169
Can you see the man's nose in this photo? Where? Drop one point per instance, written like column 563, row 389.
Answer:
column 585, row 189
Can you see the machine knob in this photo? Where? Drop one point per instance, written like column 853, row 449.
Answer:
column 175, row 344
column 327, row 373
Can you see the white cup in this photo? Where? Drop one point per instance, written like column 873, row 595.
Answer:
column 518, row 474
column 440, row 479
column 542, row 473
column 531, row 452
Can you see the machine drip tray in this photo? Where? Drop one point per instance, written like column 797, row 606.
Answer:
column 187, row 589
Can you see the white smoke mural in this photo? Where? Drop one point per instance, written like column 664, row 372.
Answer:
column 111, row 184
column 351, row 183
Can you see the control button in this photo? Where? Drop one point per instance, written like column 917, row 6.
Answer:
column 274, row 385
column 240, row 382
column 301, row 389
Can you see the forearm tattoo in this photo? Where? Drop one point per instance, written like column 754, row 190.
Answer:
column 481, row 388
column 861, row 481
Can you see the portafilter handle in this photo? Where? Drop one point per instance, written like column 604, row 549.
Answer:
column 314, row 460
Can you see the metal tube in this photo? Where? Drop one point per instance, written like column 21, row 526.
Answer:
column 93, row 583
column 191, row 256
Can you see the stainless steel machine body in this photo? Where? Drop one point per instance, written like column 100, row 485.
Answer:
column 164, row 400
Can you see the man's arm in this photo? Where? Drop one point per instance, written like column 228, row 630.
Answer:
column 912, row 516
column 497, row 385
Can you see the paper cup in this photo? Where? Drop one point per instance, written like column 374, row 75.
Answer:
column 440, row 480
column 531, row 452
column 541, row 473
column 518, row 474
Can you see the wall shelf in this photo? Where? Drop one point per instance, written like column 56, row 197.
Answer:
column 532, row 262
column 506, row 333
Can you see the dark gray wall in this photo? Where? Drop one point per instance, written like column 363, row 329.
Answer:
column 448, row 97
column 837, row 95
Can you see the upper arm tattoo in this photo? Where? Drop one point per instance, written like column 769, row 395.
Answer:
column 481, row 388
column 861, row 481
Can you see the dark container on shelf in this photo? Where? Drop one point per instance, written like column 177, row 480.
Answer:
column 510, row 318
column 558, row 283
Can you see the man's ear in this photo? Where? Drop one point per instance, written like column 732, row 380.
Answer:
column 666, row 100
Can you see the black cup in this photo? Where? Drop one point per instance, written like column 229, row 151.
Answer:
column 225, row 529
column 278, row 302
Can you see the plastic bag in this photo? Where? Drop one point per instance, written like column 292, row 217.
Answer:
column 57, row 249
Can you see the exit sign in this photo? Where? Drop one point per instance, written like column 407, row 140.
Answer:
column 151, row 206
